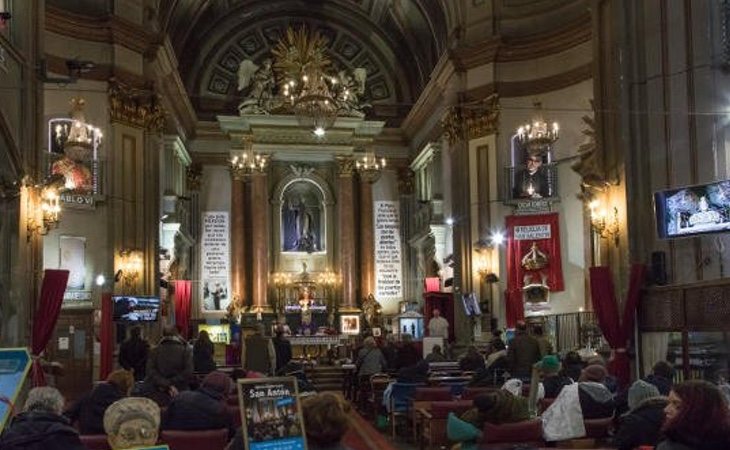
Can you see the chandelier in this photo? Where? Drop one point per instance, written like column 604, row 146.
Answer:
column 248, row 162
column 370, row 167
column 537, row 136
column 316, row 96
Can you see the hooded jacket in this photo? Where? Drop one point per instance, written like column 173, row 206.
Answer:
column 642, row 425
column 38, row 430
column 90, row 409
column 170, row 364
column 596, row 401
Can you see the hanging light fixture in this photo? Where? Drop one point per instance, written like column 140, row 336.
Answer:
column 248, row 162
column 537, row 136
column 370, row 166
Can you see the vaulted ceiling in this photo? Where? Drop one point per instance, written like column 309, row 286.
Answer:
column 398, row 42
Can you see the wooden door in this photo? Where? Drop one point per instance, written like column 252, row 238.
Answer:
column 72, row 345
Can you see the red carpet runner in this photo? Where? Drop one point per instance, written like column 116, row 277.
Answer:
column 363, row 435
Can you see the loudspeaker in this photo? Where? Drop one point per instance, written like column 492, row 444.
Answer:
column 659, row 268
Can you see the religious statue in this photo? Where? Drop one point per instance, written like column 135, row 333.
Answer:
column 351, row 88
column 257, row 83
column 300, row 217
column 371, row 309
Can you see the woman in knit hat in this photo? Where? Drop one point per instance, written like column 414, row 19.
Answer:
column 642, row 424
column 89, row 409
column 552, row 379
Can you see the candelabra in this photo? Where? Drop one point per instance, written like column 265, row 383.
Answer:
column 329, row 281
column 537, row 136
column 248, row 162
column 604, row 226
column 370, row 167
column 282, row 281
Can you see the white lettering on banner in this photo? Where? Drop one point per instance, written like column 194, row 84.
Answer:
column 388, row 265
column 530, row 232
column 214, row 260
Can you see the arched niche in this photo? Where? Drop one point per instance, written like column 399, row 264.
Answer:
column 302, row 201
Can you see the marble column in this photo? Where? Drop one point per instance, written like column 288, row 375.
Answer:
column 367, row 238
column 260, row 242
column 346, row 226
column 238, row 241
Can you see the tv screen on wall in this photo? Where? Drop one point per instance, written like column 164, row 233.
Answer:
column 135, row 308
column 693, row 210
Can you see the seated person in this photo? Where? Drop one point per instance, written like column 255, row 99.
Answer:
column 89, row 409
column 611, row 382
column 436, row 355
column 552, row 379
column 494, row 371
column 202, row 409
column 472, row 361
column 496, row 408
column 596, row 401
column 496, row 344
column 417, row 373
column 642, row 424
column 132, row 422
column 326, row 421
column 572, row 366
column 408, row 355
column 41, row 426
column 661, row 376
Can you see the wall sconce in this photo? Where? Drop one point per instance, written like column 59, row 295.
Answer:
column 482, row 266
column 603, row 225
column 50, row 210
column 130, row 267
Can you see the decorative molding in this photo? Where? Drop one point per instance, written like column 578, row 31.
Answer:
column 102, row 72
column 135, row 107
column 466, row 122
column 406, row 181
column 194, row 176
column 110, row 30
column 590, row 163
column 345, row 166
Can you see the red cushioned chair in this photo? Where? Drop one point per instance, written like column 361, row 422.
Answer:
column 433, row 426
column 195, row 440
column 433, row 394
column 95, row 441
column 235, row 413
column 507, row 435
column 598, row 428
column 470, row 392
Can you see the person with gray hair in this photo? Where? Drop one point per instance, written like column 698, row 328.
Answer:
column 41, row 426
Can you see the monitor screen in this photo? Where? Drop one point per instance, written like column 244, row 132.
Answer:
column 135, row 308
column 693, row 210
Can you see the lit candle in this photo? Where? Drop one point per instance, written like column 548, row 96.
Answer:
column 530, row 189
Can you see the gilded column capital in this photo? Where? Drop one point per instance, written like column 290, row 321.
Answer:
column 139, row 108
column 345, row 166
column 471, row 121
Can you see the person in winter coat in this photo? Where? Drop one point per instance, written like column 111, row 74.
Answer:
column 642, row 424
column 41, row 426
column 552, row 380
column 258, row 353
column 523, row 351
column 282, row 348
column 661, row 376
column 472, row 361
column 89, row 409
column 203, row 351
column 202, row 409
column 133, row 354
column 697, row 418
column 496, row 408
column 596, row 401
column 170, row 365
column 408, row 355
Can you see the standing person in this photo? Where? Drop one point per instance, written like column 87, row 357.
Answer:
column 258, row 353
column 41, row 426
column 203, row 351
column 133, row 354
column 370, row 359
column 282, row 348
column 89, row 409
column 438, row 326
column 170, row 365
column 523, row 352
column 697, row 418
column 546, row 347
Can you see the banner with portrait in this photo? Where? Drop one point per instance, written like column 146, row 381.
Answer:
column 214, row 261
column 533, row 258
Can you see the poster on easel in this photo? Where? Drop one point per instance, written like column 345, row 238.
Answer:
column 271, row 414
column 14, row 366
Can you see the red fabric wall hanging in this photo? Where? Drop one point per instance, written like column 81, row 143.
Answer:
column 183, row 294
column 45, row 318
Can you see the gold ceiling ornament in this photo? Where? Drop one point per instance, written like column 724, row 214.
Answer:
column 139, row 108
column 345, row 166
column 590, row 163
column 194, row 176
column 471, row 120
column 300, row 53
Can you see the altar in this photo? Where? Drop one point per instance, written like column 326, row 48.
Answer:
column 315, row 346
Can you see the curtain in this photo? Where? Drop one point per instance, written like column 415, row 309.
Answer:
column 654, row 347
column 183, row 293
column 45, row 318
column 522, row 231
column 617, row 332
column 106, row 336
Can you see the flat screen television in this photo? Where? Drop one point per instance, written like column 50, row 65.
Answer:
column 135, row 308
column 693, row 210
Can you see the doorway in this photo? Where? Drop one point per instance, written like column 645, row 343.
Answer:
column 72, row 346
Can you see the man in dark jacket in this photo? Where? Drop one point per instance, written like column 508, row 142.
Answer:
column 282, row 348
column 133, row 353
column 89, row 410
column 642, row 424
column 523, row 352
column 41, row 426
column 258, row 353
column 170, row 365
column 661, row 376
column 202, row 409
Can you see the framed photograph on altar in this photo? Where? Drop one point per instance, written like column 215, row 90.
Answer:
column 377, row 332
column 350, row 324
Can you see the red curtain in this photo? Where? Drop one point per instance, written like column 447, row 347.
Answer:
column 106, row 337
column 183, row 294
column 518, row 245
column 45, row 318
column 617, row 332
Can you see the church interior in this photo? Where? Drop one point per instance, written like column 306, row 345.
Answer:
column 428, row 171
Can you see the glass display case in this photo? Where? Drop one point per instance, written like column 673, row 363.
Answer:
column 708, row 355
